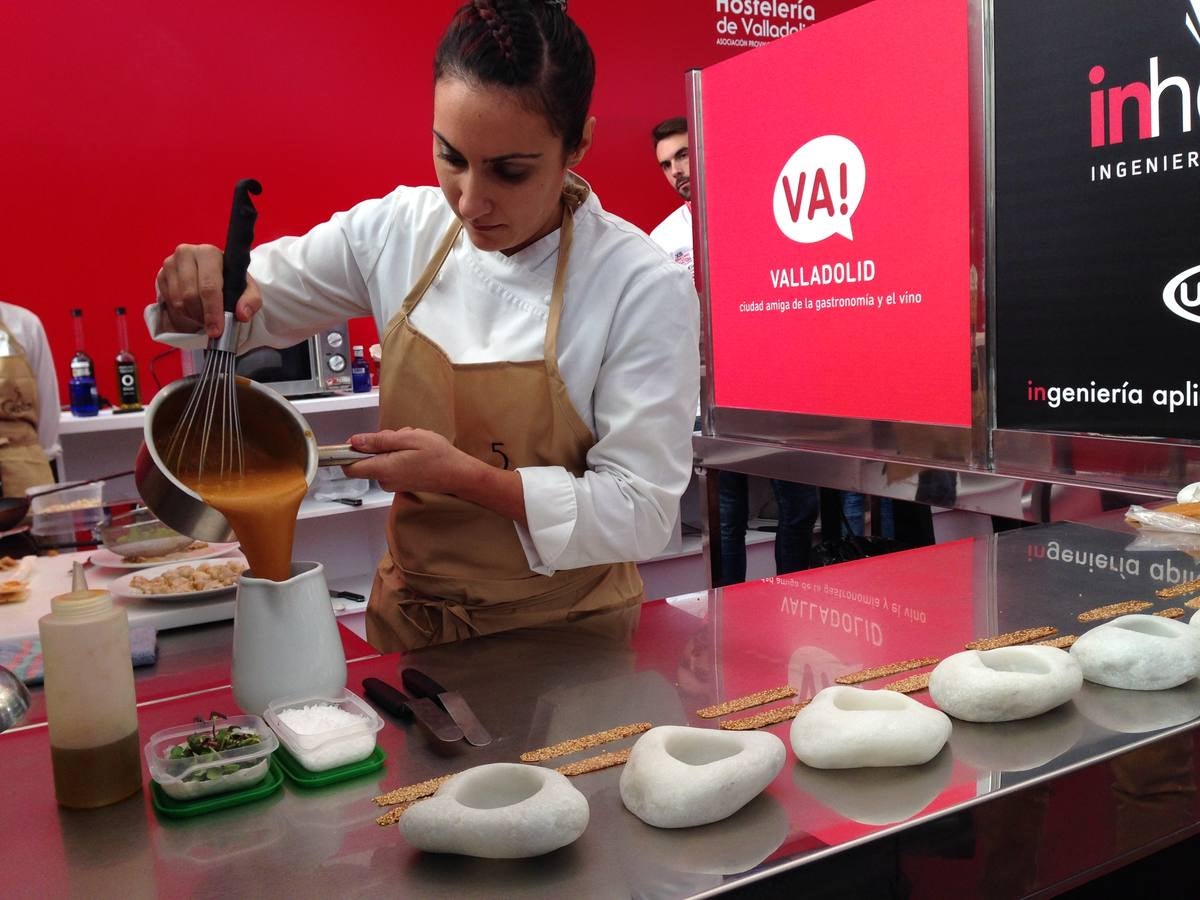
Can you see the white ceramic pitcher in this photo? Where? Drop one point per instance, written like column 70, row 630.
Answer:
column 285, row 640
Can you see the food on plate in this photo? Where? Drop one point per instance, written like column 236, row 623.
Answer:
column 12, row 591
column 7, row 563
column 188, row 579
column 81, row 503
column 193, row 547
column 1189, row 510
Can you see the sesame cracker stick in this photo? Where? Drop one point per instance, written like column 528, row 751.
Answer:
column 762, row 719
column 740, row 703
column 412, row 792
column 596, row 763
column 1178, row 590
column 1113, row 610
column 584, row 743
column 909, row 685
column 1012, row 637
column 893, row 669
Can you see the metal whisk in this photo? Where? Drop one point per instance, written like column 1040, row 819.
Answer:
column 211, row 416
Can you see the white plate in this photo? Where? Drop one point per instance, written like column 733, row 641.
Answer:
column 121, row 587
column 104, row 558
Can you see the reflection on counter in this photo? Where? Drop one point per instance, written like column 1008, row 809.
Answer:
column 729, row 847
column 116, row 861
column 1135, row 712
column 877, row 796
column 1017, row 746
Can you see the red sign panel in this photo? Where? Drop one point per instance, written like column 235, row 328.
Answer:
column 836, row 164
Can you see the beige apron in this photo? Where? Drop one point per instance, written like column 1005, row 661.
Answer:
column 454, row 569
column 22, row 461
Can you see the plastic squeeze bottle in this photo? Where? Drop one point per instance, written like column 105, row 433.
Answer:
column 90, row 707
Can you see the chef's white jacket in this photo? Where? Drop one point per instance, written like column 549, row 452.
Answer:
column 627, row 349
column 27, row 328
column 674, row 234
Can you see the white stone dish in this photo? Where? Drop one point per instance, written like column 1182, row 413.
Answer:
column 877, row 796
column 1004, row 684
column 498, row 811
column 1017, row 746
column 679, row 777
column 847, row 727
column 1139, row 653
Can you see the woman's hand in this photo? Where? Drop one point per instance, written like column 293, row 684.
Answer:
column 189, row 290
column 413, row 459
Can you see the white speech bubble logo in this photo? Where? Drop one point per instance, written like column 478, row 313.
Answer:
column 1175, row 295
column 819, row 189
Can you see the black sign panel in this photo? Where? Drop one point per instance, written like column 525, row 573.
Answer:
column 1097, row 157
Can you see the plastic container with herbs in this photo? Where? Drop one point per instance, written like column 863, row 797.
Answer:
column 211, row 756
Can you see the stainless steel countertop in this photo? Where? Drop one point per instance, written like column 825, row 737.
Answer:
column 1067, row 793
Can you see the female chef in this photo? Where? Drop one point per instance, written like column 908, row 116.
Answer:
column 539, row 372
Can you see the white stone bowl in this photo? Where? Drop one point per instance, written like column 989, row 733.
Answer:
column 877, row 796
column 679, row 777
column 498, row 811
column 847, row 727
column 1139, row 653
column 1004, row 684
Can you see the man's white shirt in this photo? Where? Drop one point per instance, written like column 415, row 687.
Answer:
column 674, row 234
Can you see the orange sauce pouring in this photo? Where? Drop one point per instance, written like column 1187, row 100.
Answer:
column 262, row 500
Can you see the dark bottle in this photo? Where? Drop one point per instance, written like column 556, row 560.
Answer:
column 360, row 372
column 85, row 400
column 128, row 394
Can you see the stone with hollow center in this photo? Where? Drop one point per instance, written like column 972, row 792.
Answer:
column 847, row 728
column 1004, row 684
column 1139, row 653
column 678, row 777
column 498, row 811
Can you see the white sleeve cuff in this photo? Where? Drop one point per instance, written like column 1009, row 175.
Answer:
column 154, row 323
column 551, row 510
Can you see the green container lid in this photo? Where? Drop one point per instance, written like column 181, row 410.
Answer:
column 305, row 778
column 185, row 809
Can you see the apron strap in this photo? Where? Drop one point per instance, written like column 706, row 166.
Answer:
column 431, row 270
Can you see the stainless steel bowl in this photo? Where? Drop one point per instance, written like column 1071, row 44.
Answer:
column 265, row 415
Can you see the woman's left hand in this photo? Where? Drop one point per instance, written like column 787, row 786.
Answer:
column 413, row 459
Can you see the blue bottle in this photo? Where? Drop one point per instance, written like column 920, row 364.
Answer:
column 360, row 373
column 85, row 400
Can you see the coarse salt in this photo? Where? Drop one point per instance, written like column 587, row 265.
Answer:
column 319, row 717
column 354, row 740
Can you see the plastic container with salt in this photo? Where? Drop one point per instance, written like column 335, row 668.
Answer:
column 325, row 732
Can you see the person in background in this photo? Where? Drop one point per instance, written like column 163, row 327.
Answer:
column 539, row 369
column 797, row 504
column 674, row 233
column 28, row 402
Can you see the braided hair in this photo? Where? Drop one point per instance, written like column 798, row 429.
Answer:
column 530, row 46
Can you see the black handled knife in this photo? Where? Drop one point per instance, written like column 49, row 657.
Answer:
column 423, row 710
column 419, row 684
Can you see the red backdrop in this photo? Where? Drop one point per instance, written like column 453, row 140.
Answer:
column 127, row 123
